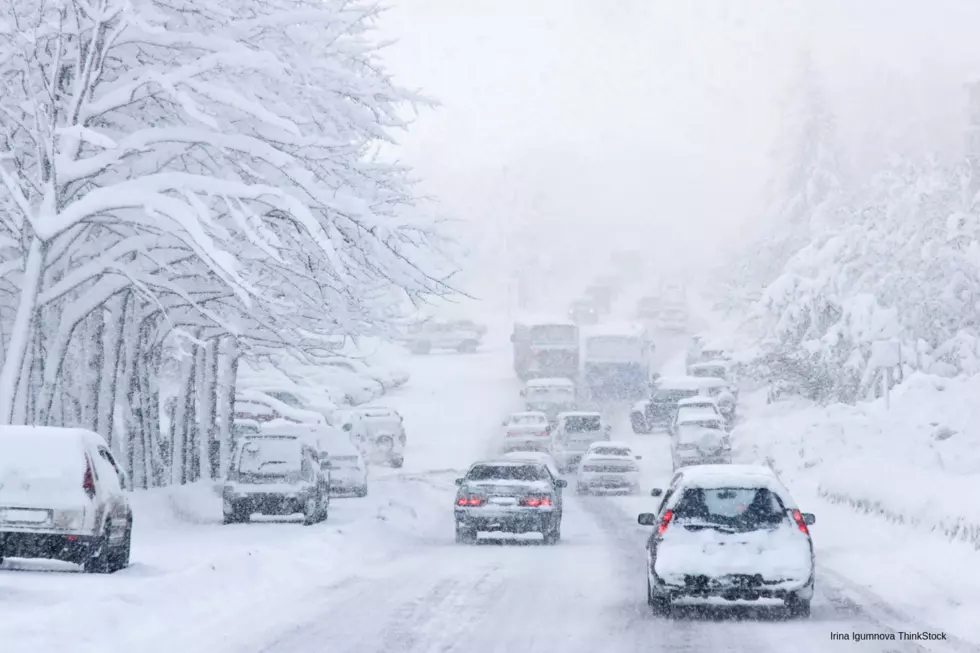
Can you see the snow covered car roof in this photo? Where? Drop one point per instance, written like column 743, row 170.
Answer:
column 707, row 365
column 529, row 413
column 580, row 413
column 700, row 416
column 375, row 411
column 733, row 476
column 697, row 401
column 555, row 381
column 318, row 434
column 688, row 382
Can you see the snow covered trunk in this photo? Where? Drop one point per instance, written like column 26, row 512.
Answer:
column 130, row 351
column 20, row 336
column 157, row 459
column 204, row 400
column 22, row 402
column 94, row 355
column 183, row 415
column 228, row 373
column 213, row 397
column 112, row 346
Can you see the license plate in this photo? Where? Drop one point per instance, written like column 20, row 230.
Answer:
column 25, row 516
column 504, row 501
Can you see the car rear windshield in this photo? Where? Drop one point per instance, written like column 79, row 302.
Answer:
column 583, row 423
column 507, row 473
column 709, row 372
column 524, row 420
column 32, row 458
column 611, row 451
column 554, row 334
column 271, row 456
column 671, row 396
column 734, row 507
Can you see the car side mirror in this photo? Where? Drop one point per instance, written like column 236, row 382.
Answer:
column 809, row 518
column 646, row 519
column 561, row 483
column 347, row 427
column 656, row 492
column 459, row 481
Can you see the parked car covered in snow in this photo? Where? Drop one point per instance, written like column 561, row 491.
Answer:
column 716, row 369
column 62, row 497
column 609, row 466
column 695, row 408
column 526, row 431
column 388, row 378
column 743, row 510
column 348, row 471
column 658, row 411
column 463, row 336
column 261, row 407
column 379, row 433
column 275, row 472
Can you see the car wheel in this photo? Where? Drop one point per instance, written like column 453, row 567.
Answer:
column 120, row 557
column 311, row 511
column 235, row 514
column 361, row 491
column 98, row 561
column 397, row 462
column 659, row 605
column 798, row 608
column 465, row 535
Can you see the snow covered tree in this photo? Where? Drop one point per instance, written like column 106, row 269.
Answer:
column 173, row 176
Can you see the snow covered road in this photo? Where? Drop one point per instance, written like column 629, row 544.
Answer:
column 384, row 574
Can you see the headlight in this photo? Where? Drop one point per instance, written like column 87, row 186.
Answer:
column 69, row 519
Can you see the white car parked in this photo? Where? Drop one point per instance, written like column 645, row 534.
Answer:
column 378, row 432
column 743, row 511
column 700, row 442
column 388, row 378
column 609, row 466
column 62, row 497
column 526, row 431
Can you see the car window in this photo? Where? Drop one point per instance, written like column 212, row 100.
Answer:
column 271, row 457
column 671, row 396
column 107, row 470
column 107, row 455
column 612, row 451
column 733, row 507
column 508, row 473
column 524, row 420
column 583, row 423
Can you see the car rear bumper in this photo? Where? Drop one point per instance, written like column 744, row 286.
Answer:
column 267, row 503
column 608, row 481
column 732, row 587
column 690, row 461
column 48, row 546
column 518, row 521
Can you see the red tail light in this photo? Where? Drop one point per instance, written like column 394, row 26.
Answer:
column 664, row 522
column 536, row 502
column 798, row 518
column 88, row 481
column 469, row 501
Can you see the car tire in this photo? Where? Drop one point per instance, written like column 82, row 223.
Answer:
column 120, row 557
column 99, row 561
column 465, row 535
column 798, row 608
column 236, row 516
column 659, row 605
column 397, row 462
column 312, row 510
column 361, row 492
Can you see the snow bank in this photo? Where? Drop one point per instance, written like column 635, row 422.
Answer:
column 169, row 507
column 916, row 464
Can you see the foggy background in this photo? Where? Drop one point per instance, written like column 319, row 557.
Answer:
column 574, row 126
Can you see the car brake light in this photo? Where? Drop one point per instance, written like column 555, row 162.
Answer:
column 536, row 502
column 798, row 518
column 469, row 501
column 664, row 522
column 88, row 481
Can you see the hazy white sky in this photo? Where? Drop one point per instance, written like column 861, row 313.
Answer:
column 652, row 120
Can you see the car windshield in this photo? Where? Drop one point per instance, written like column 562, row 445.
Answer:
column 709, row 372
column 612, row 451
column 734, row 507
column 696, row 431
column 583, row 423
column 270, row 456
column 527, row 472
column 528, row 420
column 554, row 334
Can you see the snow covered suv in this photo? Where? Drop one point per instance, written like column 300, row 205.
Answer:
column 62, row 497
column 730, row 532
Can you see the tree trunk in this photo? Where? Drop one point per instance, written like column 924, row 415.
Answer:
column 22, row 402
column 158, row 457
column 111, row 367
column 214, row 446
column 226, row 405
column 183, row 415
column 20, row 337
column 94, row 359
column 205, row 401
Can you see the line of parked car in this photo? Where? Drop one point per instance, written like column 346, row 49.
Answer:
column 63, row 495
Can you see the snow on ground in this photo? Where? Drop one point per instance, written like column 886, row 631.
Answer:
column 384, row 575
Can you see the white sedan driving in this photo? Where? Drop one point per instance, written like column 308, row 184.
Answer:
column 609, row 466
